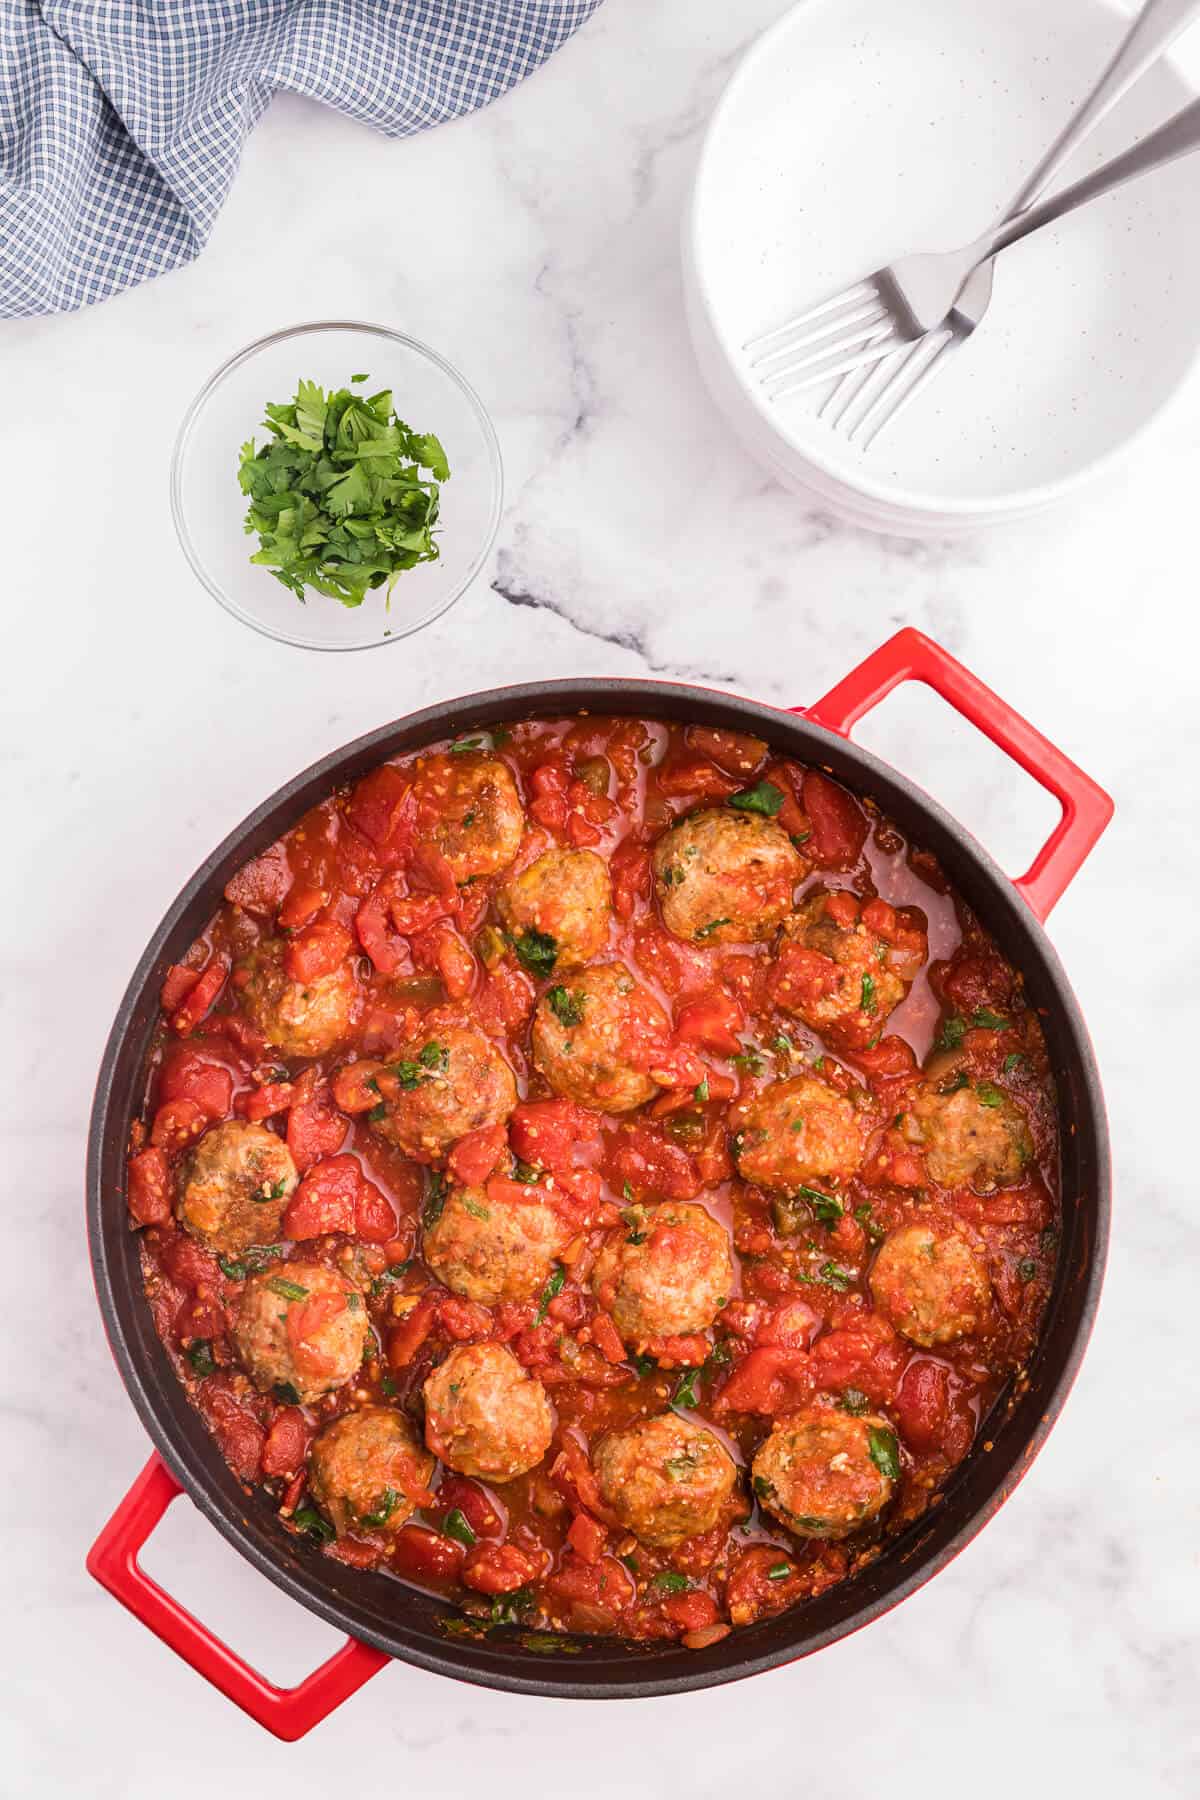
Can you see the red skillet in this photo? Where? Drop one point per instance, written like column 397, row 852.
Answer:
column 384, row 1619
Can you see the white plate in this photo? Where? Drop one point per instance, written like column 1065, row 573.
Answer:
column 855, row 130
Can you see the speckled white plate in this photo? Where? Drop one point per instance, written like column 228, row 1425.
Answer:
column 855, row 130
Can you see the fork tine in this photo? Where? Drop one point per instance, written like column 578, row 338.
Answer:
column 810, row 372
column 871, row 312
column 847, row 389
column 893, row 374
column 863, row 391
column 860, row 291
column 920, row 369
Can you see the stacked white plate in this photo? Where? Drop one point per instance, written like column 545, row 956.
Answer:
column 855, row 130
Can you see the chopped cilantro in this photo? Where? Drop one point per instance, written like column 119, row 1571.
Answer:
column 780, row 1571
column 456, row 1525
column 1027, row 1268
column 567, row 1008
column 337, row 498
column 685, row 1393
column 553, row 1287
column 460, row 746
column 954, row 1030
column 764, row 797
column 201, row 1357
column 435, row 1200
column 473, row 1207
column 309, row 1519
column 251, row 1262
column 287, row 1290
column 383, row 1509
column 834, row 1277
column 707, row 930
column 868, row 1002
column 885, row 1452
column 434, row 1056
column 854, row 1401
column 700, row 1092
column 537, row 951
column 1012, row 1061
column 270, row 1190
column 989, row 1093
column 669, row 1581
column 985, row 1020
column 825, row 1207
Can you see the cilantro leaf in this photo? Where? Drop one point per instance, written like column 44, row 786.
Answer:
column 764, row 797
column 337, row 498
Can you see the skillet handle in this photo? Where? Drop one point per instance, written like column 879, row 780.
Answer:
column 287, row 1712
column 911, row 656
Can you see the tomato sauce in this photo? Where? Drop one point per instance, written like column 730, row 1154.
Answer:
column 385, row 917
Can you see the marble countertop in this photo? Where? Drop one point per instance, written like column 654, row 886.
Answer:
column 536, row 244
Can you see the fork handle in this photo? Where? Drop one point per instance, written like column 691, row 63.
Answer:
column 1156, row 27
column 1178, row 137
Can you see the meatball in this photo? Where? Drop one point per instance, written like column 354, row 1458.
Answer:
column 837, row 974
column 303, row 1327
column 594, row 1038
column 725, row 877
column 468, row 809
column 442, row 1086
column 818, row 1472
column 368, row 1469
column 931, row 1283
column 485, row 1415
column 975, row 1134
column 492, row 1250
column 565, row 896
column 235, row 1187
column 666, row 1479
column 797, row 1131
column 300, row 1018
column 667, row 1272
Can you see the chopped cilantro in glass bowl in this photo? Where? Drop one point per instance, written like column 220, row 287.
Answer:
column 256, row 430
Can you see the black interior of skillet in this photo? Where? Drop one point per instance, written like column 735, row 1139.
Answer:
column 400, row 1619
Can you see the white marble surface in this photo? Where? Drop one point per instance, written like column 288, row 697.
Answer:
column 536, row 244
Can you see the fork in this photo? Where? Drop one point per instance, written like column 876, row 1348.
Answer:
column 866, row 401
column 900, row 304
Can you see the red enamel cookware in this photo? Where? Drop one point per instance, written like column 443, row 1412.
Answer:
column 384, row 1619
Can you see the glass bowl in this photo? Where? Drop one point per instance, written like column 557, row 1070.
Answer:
column 209, row 507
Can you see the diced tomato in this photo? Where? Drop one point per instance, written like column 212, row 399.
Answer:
column 324, row 1200
column 573, row 1476
column 186, row 1076
column 838, row 823
column 976, row 981
column 240, row 1436
column 406, row 1338
column 691, row 1612
column 425, row 1555
column 318, row 950
column 734, row 751
column 505, row 1000
column 187, row 1016
column 475, row 1156
column 607, row 1338
column 606, row 1583
column 587, row 1538
column 544, row 1133
column 891, row 1059
column 922, row 1401
column 259, row 887
column 629, row 867
column 382, row 809
column 867, row 1355
column 458, row 1494
column 464, row 1320
column 189, row 1265
column 374, row 1215
column 713, row 1021
column 763, row 1581
column 769, row 1381
column 177, row 1124
column 695, row 777
column 286, row 1444
column 441, row 948
column 264, row 1102
column 549, row 783
column 149, row 1188
column 177, row 985
column 315, row 1127
column 641, row 1156
column 497, row 1569
column 580, row 833
column 372, row 923
column 302, row 906
column 355, row 1087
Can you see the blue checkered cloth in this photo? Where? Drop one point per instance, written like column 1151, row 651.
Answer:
column 122, row 121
